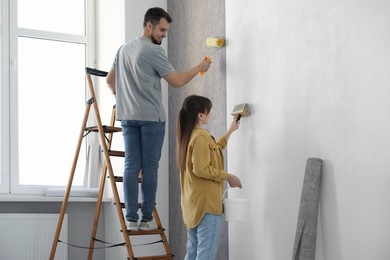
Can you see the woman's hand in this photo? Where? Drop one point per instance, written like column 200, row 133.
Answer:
column 234, row 125
column 234, row 181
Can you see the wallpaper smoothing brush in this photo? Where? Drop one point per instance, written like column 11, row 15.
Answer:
column 213, row 42
column 241, row 110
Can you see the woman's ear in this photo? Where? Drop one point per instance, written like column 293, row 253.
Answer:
column 200, row 117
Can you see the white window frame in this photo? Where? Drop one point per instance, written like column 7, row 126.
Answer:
column 4, row 116
column 9, row 157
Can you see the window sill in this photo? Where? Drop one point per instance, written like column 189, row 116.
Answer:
column 11, row 197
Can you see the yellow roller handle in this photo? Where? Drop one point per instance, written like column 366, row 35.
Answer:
column 205, row 58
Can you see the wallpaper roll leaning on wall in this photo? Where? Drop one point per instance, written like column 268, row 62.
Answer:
column 306, row 234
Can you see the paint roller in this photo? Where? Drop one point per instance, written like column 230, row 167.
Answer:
column 240, row 110
column 213, row 42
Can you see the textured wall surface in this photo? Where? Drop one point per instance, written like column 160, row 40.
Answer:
column 193, row 22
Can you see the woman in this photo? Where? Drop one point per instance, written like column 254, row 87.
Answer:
column 201, row 164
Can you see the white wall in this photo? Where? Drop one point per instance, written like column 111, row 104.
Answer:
column 316, row 74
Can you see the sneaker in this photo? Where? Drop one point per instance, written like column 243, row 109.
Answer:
column 145, row 226
column 132, row 225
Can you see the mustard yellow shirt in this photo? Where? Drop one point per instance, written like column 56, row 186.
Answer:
column 202, row 181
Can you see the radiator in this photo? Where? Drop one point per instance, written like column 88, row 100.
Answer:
column 30, row 236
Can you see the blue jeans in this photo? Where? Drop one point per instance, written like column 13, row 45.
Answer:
column 202, row 241
column 143, row 142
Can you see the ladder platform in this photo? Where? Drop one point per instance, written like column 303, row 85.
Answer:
column 95, row 72
column 106, row 129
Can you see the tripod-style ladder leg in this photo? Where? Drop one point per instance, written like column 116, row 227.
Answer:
column 70, row 180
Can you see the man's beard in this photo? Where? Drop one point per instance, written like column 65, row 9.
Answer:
column 155, row 41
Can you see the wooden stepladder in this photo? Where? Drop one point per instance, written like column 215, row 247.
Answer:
column 106, row 136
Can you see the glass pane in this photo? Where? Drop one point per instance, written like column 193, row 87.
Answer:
column 51, row 78
column 64, row 16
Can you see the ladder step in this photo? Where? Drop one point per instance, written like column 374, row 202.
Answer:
column 106, row 129
column 154, row 257
column 157, row 231
column 123, row 205
column 116, row 153
column 117, row 178
column 120, row 179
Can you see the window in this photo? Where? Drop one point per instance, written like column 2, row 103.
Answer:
column 50, row 44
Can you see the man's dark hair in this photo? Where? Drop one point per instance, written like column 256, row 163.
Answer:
column 155, row 14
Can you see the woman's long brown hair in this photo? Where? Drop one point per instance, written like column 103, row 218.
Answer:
column 186, row 122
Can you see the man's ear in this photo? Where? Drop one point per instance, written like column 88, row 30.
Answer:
column 149, row 26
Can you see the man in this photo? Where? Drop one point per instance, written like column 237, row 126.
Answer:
column 135, row 79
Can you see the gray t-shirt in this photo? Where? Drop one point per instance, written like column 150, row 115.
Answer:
column 139, row 67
